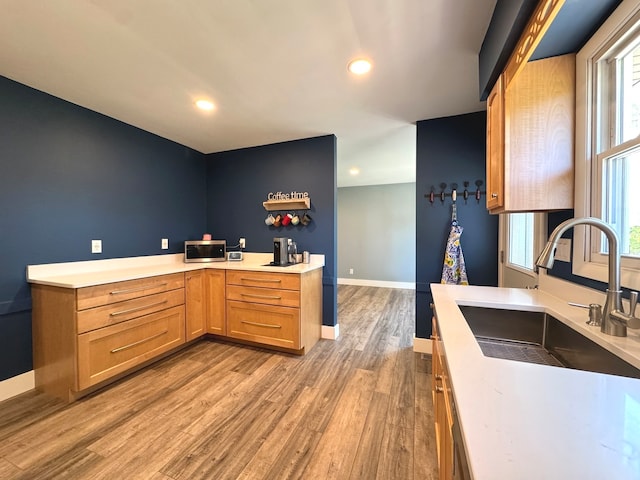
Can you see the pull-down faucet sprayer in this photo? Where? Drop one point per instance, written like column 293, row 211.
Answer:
column 614, row 320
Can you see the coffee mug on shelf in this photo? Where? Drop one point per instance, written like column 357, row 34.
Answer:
column 295, row 219
column 269, row 220
column 286, row 219
column 306, row 219
column 277, row 221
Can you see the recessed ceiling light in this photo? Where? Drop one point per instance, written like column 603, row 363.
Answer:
column 204, row 105
column 354, row 171
column 359, row 66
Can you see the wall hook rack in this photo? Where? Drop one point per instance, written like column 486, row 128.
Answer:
column 466, row 193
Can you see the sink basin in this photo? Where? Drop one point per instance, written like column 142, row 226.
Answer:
column 536, row 337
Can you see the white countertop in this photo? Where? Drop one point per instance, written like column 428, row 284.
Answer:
column 97, row 272
column 522, row 421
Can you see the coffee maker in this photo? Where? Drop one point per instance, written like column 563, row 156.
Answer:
column 280, row 251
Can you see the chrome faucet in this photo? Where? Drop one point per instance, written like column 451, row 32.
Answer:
column 614, row 320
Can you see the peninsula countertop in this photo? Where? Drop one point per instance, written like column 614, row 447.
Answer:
column 98, row 272
column 524, row 421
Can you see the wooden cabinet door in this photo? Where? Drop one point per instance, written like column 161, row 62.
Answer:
column 215, row 301
column 539, row 108
column 105, row 352
column 195, row 304
column 495, row 146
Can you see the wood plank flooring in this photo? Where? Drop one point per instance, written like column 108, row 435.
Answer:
column 355, row 408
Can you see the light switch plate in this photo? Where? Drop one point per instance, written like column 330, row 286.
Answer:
column 164, row 243
column 563, row 250
column 96, row 246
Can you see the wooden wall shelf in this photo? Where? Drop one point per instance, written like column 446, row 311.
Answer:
column 299, row 204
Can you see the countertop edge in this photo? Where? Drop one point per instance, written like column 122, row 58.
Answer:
column 99, row 272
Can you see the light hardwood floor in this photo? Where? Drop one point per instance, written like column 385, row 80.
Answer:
column 359, row 407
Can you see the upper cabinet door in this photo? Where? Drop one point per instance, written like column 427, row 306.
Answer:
column 495, row 147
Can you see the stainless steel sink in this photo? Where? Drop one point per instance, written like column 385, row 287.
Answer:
column 536, row 337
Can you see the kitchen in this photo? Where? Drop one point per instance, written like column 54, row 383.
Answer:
column 122, row 160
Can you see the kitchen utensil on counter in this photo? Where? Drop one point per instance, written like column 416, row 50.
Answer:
column 306, row 257
column 293, row 251
column 280, row 250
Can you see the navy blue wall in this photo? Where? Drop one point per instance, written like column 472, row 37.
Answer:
column 507, row 23
column 451, row 150
column 576, row 21
column 69, row 175
column 239, row 181
column 563, row 269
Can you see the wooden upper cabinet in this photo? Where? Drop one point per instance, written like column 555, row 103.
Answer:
column 495, row 146
column 530, row 126
column 530, row 138
column 539, row 117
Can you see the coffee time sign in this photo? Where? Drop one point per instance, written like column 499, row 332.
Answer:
column 293, row 195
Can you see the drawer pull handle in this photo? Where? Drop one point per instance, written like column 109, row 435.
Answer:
column 135, row 309
column 267, row 325
column 139, row 342
column 137, row 289
column 268, row 297
column 263, row 280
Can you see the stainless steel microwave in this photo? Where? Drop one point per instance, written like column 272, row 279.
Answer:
column 205, row 251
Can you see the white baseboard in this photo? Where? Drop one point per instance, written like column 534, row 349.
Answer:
column 422, row 345
column 16, row 385
column 376, row 283
column 330, row 333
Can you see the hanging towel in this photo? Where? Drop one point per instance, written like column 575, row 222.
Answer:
column 454, row 271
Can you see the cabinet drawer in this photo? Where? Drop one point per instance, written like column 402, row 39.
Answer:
column 122, row 311
column 279, row 326
column 98, row 295
column 111, row 350
column 264, row 279
column 285, row 298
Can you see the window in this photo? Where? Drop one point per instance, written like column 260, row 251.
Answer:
column 520, row 251
column 608, row 144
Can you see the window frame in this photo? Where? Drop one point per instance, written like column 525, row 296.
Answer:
column 588, row 183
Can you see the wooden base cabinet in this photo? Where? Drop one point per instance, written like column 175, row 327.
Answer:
column 215, row 301
column 195, row 304
column 443, row 409
column 83, row 337
column 281, row 310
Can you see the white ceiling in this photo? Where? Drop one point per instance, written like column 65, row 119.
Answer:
column 276, row 69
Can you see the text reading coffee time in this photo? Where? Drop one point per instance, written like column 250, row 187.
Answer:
column 287, row 196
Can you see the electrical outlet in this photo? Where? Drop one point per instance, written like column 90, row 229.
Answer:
column 563, row 250
column 164, row 244
column 242, row 242
column 96, row 246
column 351, row 271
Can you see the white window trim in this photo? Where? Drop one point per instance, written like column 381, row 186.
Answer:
column 582, row 265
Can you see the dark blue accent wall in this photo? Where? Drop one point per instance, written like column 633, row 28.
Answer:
column 563, row 269
column 576, row 21
column 451, row 150
column 69, row 175
column 238, row 181
column 507, row 23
